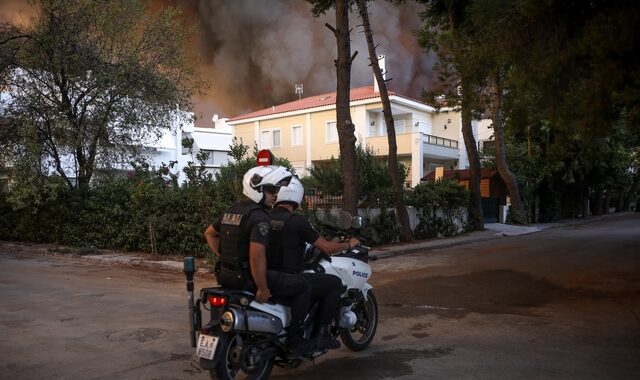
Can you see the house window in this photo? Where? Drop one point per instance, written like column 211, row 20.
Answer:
column 275, row 138
column 216, row 157
column 332, row 132
column 270, row 139
column 296, row 135
column 265, row 137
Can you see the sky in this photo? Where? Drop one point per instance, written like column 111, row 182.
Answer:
column 253, row 52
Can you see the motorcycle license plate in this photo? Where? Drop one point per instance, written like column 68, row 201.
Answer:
column 206, row 347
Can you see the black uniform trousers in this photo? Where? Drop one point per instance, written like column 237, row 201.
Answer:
column 292, row 290
column 326, row 289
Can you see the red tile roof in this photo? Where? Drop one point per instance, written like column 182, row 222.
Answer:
column 327, row 99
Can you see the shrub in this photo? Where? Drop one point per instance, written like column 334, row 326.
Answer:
column 439, row 204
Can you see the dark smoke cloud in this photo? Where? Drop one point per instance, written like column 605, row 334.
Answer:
column 252, row 52
column 18, row 12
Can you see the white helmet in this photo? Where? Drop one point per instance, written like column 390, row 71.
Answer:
column 255, row 178
column 293, row 192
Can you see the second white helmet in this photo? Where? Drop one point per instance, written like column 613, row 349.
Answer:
column 293, row 192
column 256, row 178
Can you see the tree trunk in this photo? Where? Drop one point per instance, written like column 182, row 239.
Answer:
column 401, row 210
column 607, row 200
column 346, row 136
column 597, row 204
column 516, row 212
column 585, row 201
column 633, row 190
column 475, row 207
column 621, row 197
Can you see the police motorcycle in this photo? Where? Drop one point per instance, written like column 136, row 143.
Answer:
column 246, row 338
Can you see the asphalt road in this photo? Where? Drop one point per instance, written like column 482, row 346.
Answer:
column 563, row 303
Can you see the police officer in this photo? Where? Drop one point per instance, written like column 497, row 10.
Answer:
column 290, row 233
column 239, row 239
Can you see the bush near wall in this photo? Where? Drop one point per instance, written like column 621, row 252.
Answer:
column 148, row 212
column 134, row 214
column 440, row 206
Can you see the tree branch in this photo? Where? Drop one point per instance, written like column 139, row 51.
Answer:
column 353, row 56
column 335, row 32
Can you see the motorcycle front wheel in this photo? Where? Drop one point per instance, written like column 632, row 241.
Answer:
column 358, row 337
column 234, row 363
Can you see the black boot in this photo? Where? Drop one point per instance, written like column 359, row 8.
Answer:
column 297, row 344
column 325, row 341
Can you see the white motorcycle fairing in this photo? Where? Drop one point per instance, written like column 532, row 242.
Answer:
column 281, row 312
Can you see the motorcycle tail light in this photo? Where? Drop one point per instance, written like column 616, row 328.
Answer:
column 217, row 301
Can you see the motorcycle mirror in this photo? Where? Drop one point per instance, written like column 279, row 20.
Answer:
column 357, row 222
column 335, row 218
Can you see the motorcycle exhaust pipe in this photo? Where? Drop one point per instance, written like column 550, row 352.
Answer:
column 250, row 320
column 189, row 270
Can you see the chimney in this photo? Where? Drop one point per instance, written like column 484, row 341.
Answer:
column 376, row 88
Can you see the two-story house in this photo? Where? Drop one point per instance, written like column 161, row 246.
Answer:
column 304, row 131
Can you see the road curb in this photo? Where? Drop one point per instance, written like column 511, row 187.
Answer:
column 416, row 249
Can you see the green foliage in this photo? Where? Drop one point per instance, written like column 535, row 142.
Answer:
column 439, row 203
column 381, row 229
column 374, row 182
column 570, row 79
column 90, row 81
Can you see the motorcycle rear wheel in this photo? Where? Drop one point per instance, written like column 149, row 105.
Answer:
column 229, row 366
column 361, row 334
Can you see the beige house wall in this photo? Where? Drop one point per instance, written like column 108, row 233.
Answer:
column 245, row 133
column 285, row 125
column 321, row 149
column 380, row 144
column 297, row 153
column 449, row 119
column 359, row 119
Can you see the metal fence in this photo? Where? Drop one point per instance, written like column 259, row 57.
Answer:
column 318, row 201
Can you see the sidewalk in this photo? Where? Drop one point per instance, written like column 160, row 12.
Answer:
column 492, row 231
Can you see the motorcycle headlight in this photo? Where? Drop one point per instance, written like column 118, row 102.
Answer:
column 227, row 321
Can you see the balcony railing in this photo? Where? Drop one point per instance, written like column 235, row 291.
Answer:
column 435, row 140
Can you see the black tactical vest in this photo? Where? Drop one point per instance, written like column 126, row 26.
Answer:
column 285, row 251
column 234, row 246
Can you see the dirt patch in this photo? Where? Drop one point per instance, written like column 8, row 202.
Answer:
column 91, row 256
column 487, row 292
column 141, row 335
